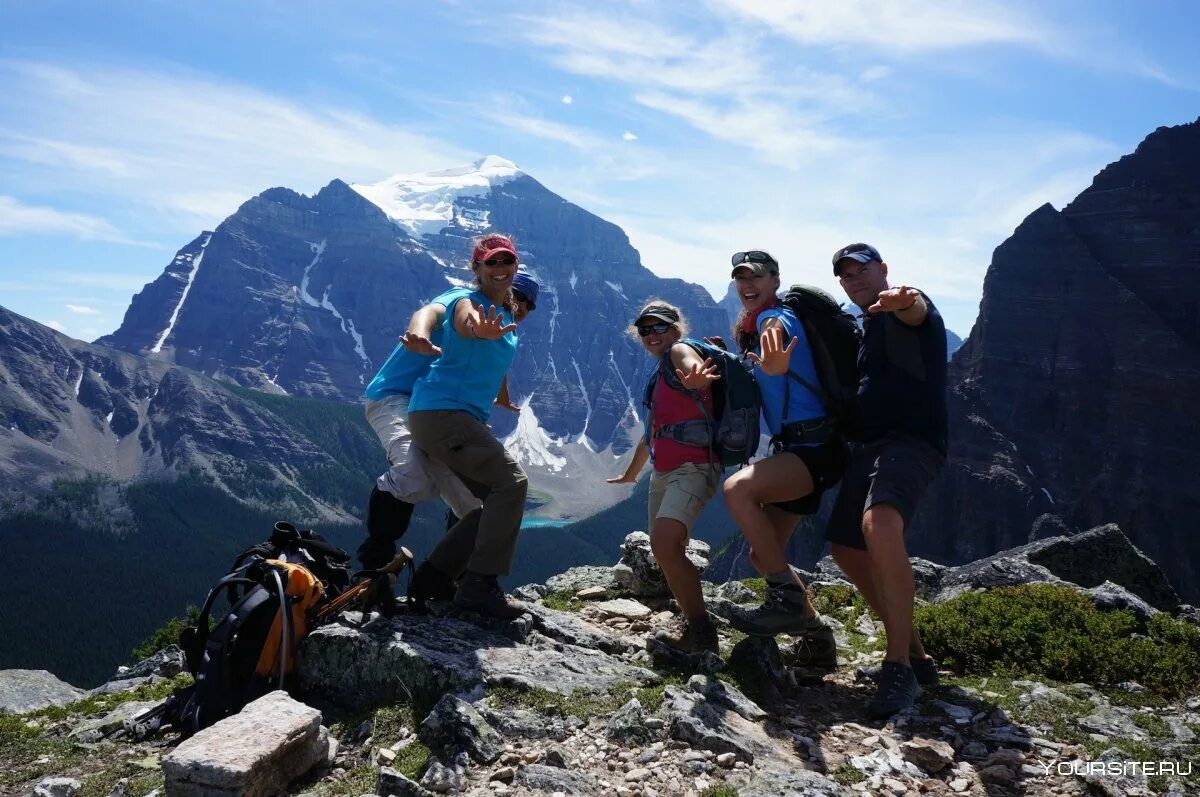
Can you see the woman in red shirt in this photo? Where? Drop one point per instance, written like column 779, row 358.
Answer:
column 686, row 471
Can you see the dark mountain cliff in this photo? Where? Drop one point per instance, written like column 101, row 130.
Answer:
column 1074, row 400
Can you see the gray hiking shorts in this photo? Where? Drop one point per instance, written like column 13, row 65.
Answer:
column 894, row 471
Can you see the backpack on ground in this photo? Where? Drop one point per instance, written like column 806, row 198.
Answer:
column 834, row 337
column 275, row 591
column 731, row 430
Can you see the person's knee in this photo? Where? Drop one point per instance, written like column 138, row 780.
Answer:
column 882, row 520
column 738, row 490
column 668, row 539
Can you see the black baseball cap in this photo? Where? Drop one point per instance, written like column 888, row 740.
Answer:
column 863, row 253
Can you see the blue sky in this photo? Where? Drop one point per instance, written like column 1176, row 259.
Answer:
column 929, row 129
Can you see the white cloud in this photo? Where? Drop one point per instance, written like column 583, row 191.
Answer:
column 904, row 27
column 567, row 99
column 873, row 73
column 56, row 325
column 83, row 309
column 191, row 146
column 629, row 136
column 18, row 218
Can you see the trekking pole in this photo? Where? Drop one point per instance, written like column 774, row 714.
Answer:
column 361, row 591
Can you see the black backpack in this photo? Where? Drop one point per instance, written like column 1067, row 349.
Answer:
column 834, row 337
column 251, row 650
column 732, row 430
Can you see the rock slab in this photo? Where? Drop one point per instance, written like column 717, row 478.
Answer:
column 29, row 690
column 254, row 753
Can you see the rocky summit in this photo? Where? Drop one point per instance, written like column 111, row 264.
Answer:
column 572, row 699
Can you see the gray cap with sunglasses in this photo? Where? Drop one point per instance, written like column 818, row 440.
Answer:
column 759, row 262
column 862, row 253
column 660, row 311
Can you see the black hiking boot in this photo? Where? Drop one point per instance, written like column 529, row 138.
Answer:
column 926, row 671
column 898, row 690
column 816, row 650
column 480, row 593
column 428, row 583
column 781, row 613
column 691, row 636
column 387, row 521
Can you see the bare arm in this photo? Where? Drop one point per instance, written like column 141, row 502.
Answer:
column 640, row 456
column 420, row 329
column 503, row 399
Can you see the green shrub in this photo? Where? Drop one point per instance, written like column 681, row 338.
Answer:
column 167, row 634
column 1057, row 632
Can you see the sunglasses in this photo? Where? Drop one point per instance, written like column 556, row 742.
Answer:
column 754, row 256
column 502, row 260
column 653, row 329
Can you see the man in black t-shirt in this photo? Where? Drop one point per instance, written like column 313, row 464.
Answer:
column 900, row 448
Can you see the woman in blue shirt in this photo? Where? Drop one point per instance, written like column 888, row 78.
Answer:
column 448, row 415
column 768, row 497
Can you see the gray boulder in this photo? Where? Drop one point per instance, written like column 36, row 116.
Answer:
column 708, row 725
column 719, row 693
column 391, row 783
column 542, row 779
column 254, row 753
column 1086, row 560
column 628, row 724
column 454, row 725
column 1112, row 597
column 57, row 787
column 577, row 578
column 411, row 657
column 638, row 571
column 29, row 690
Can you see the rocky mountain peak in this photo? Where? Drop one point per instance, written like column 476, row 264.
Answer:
column 1074, row 395
column 426, row 203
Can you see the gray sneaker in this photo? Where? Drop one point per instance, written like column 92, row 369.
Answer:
column 781, row 613
column 898, row 690
column 481, row 593
column 925, row 669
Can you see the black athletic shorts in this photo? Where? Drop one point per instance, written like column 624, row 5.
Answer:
column 826, row 463
column 893, row 471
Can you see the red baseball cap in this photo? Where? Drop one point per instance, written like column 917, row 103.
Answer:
column 491, row 246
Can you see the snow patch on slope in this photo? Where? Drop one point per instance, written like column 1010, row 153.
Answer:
column 530, row 444
column 587, row 404
column 425, row 204
column 183, row 296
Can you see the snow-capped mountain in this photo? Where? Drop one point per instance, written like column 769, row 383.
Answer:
column 308, row 294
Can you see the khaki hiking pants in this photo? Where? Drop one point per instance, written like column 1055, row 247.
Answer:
column 483, row 541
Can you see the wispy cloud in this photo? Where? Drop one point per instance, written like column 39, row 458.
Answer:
column 56, row 325
column 902, row 27
column 18, row 218
column 189, row 145
column 82, row 309
column 628, row 136
column 567, row 99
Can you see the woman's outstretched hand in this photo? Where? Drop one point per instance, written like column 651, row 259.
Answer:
column 775, row 358
column 700, row 375
column 488, row 325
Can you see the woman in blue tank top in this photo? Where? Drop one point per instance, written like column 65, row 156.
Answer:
column 448, row 416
